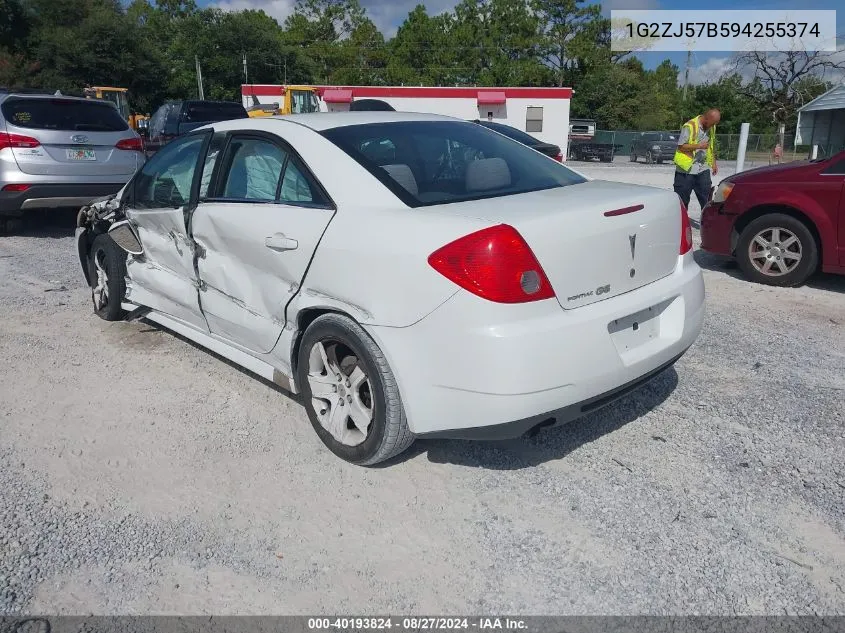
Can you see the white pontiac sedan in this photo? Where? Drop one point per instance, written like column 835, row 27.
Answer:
column 409, row 275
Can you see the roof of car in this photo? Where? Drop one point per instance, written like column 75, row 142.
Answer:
column 52, row 95
column 320, row 121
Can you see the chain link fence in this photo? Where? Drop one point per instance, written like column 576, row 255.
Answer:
column 760, row 149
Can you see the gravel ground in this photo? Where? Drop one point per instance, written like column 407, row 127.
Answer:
column 141, row 474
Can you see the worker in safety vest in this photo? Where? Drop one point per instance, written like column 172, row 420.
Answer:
column 695, row 157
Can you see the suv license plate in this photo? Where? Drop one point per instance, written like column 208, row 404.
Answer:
column 80, row 154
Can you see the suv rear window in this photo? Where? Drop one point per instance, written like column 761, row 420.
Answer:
column 438, row 162
column 200, row 112
column 63, row 114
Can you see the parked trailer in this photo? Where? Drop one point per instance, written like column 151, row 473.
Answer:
column 583, row 147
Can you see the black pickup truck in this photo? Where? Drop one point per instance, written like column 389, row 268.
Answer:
column 655, row 147
column 176, row 118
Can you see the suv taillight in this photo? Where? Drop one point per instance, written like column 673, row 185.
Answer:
column 686, row 230
column 494, row 263
column 17, row 141
column 133, row 144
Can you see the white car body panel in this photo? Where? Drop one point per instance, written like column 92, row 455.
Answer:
column 164, row 279
column 247, row 278
column 511, row 362
column 461, row 362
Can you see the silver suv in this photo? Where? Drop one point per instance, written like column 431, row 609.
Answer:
column 58, row 151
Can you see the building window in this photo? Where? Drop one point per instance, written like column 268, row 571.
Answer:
column 534, row 119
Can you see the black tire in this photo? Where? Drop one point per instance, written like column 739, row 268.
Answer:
column 806, row 245
column 633, row 157
column 659, row 161
column 112, row 260
column 388, row 434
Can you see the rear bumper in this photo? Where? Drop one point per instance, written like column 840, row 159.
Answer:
column 472, row 368
column 716, row 230
column 52, row 196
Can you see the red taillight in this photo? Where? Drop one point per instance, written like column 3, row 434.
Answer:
column 16, row 187
column 17, row 141
column 134, row 144
column 559, row 157
column 494, row 263
column 686, row 230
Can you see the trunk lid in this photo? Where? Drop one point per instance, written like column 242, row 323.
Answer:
column 595, row 240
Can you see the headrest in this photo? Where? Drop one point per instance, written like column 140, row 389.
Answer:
column 487, row 174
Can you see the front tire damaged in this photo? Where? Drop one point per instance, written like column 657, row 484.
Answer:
column 104, row 274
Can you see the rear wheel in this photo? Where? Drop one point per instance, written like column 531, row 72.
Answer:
column 778, row 250
column 350, row 392
column 107, row 272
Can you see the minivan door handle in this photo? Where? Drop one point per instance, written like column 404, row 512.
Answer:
column 279, row 242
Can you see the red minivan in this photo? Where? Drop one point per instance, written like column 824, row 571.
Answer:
column 781, row 223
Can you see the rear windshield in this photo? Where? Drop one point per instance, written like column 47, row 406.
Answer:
column 211, row 112
column 438, row 162
column 63, row 114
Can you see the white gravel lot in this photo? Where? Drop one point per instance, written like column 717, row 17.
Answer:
column 140, row 474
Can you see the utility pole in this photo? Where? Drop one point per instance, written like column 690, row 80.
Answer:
column 199, row 78
column 686, row 72
column 246, row 74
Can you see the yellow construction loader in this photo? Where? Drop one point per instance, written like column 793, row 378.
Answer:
column 118, row 96
column 294, row 100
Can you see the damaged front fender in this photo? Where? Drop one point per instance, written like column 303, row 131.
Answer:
column 94, row 218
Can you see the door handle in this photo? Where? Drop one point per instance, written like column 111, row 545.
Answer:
column 279, row 242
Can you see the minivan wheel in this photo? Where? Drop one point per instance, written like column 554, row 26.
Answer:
column 350, row 392
column 107, row 272
column 778, row 250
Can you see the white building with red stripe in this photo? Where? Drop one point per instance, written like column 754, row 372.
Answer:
column 542, row 112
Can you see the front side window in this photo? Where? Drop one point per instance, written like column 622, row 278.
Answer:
column 216, row 146
column 836, row 169
column 438, row 162
column 165, row 180
column 255, row 167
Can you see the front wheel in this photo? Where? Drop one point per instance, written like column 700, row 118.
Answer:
column 778, row 250
column 107, row 272
column 350, row 392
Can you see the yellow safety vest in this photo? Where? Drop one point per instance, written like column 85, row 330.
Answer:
column 685, row 160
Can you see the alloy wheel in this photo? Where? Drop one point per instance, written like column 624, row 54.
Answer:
column 775, row 251
column 341, row 392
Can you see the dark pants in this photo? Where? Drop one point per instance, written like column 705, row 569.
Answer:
column 685, row 184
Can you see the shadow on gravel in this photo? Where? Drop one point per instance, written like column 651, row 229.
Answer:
column 550, row 444
column 719, row 263
column 52, row 223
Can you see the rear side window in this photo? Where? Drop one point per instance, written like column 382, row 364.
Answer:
column 255, row 169
column 201, row 112
column 63, row 114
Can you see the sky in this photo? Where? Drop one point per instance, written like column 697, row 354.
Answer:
column 705, row 66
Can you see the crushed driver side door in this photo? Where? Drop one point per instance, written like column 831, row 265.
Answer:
column 162, row 197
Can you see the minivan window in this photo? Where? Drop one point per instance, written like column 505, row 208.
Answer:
column 63, row 114
column 438, row 162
